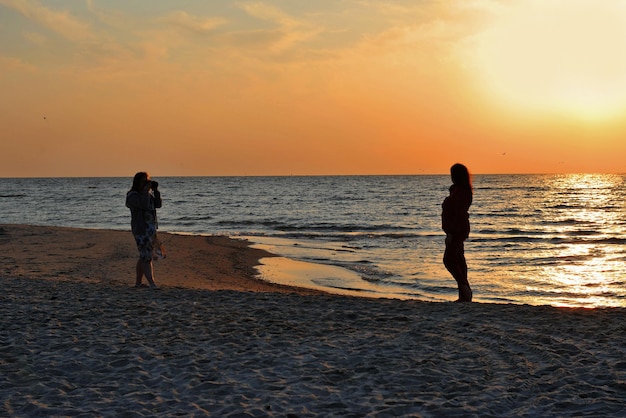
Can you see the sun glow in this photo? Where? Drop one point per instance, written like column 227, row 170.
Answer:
column 562, row 56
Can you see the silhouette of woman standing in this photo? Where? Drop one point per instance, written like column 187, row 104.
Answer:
column 143, row 199
column 455, row 223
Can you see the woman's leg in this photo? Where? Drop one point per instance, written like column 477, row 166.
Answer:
column 148, row 271
column 144, row 264
column 454, row 261
column 465, row 291
column 139, row 273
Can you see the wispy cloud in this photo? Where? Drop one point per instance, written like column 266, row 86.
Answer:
column 11, row 64
column 270, row 13
column 286, row 33
column 62, row 23
column 193, row 23
column 35, row 38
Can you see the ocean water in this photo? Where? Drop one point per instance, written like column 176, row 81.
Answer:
column 536, row 239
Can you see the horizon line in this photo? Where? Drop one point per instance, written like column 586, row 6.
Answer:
column 314, row 175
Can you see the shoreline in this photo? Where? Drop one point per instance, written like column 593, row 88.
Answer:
column 209, row 262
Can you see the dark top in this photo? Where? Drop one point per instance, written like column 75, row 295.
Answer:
column 143, row 209
column 455, row 216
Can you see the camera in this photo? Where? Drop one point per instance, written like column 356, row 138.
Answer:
column 154, row 185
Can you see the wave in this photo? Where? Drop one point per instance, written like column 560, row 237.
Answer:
column 510, row 231
column 344, row 237
column 575, row 239
column 275, row 225
column 505, row 213
column 193, row 218
column 558, row 260
column 583, row 240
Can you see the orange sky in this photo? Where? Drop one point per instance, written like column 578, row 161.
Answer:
column 277, row 87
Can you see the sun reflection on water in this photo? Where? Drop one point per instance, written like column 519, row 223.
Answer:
column 585, row 270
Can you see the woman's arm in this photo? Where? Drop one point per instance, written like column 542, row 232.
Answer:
column 157, row 199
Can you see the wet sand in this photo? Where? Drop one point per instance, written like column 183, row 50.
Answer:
column 78, row 339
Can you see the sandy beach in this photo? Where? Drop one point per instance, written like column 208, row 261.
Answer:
column 77, row 339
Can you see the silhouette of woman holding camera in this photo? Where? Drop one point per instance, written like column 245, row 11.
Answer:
column 143, row 199
column 455, row 223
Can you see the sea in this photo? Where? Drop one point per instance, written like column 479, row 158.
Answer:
column 555, row 240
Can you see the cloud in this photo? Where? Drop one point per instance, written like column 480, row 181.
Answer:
column 192, row 23
column 11, row 64
column 62, row 23
column 288, row 30
column 35, row 38
column 270, row 13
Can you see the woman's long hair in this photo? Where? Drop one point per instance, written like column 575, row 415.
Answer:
column 137, row 180
column 461, row 176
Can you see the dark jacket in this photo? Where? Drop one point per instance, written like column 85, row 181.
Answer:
column 455, row 216
column 142, row 210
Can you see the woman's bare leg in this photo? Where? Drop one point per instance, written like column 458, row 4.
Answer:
column 148, row 271
column 139, row 272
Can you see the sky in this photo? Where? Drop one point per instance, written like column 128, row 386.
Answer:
column 325, row 87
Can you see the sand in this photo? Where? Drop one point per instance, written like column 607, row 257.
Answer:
column 77, row 339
